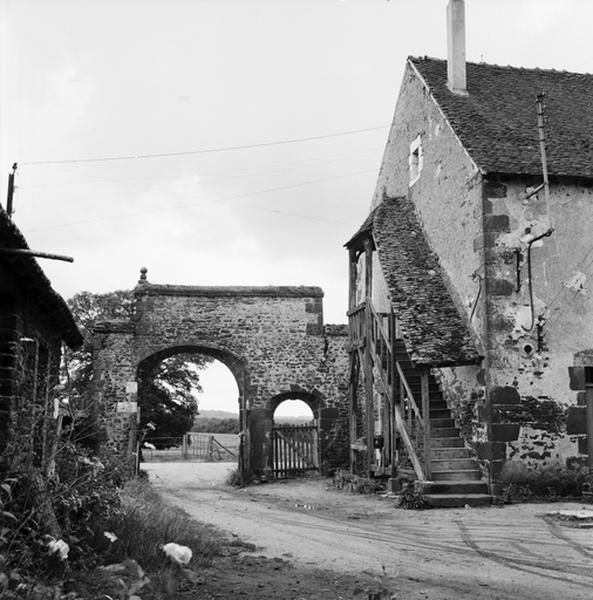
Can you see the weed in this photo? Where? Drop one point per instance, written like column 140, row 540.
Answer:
column 344, row 480
column 410, row 499
column 233, row 478
column 145, row 523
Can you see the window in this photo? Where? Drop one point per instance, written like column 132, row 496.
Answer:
column 415, row 160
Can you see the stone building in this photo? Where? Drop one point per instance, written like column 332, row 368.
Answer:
column 34, row 322
column 469, row 279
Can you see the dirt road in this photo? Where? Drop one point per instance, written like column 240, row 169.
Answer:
column 509, row 552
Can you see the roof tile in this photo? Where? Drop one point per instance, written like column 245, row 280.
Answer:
column 497, row 120
column 433, row 330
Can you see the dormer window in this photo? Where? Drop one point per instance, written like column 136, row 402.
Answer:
column 415, row 160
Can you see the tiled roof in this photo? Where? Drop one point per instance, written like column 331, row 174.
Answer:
column 497, row 120
column 32, row 277
column 432, row 329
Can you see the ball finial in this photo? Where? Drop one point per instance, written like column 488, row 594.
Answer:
column 143, row 272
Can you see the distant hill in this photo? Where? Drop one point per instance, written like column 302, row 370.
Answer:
column 216, row 414
column 209, row 415
column 292, row 420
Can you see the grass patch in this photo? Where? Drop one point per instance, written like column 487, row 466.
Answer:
column 343, row 480
column 548, row 484
column 145, row 522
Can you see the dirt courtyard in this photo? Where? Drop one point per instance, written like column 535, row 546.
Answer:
column 307, row 530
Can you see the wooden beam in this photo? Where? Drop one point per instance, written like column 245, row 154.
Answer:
column 368, row 278
column 424, row 383
column 589, row 413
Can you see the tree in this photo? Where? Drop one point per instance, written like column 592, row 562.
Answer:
column 167, row 390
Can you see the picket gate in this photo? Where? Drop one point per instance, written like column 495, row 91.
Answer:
column 295, row 450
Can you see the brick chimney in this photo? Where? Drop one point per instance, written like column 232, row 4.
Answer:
column 456, row 81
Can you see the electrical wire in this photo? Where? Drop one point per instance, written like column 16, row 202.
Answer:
column 224, row 199
column 201, row 151
column 178, row 185
column 289, row 214
column 256, row 170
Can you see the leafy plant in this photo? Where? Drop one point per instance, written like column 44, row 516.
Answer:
column 411, row 499
column 547, row 483
column 345, row 480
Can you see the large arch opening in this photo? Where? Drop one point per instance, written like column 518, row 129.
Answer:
column 174, row 385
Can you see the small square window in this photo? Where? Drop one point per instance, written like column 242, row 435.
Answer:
column 415, row 160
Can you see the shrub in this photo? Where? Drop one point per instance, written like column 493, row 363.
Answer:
column 233, row 478
column 354, row 483
column 546, row 483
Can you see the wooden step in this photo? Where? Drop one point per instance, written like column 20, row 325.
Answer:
column 457, row 475
column 452, row 464
column 447, row 442
column 439, row 413
column 448, row 453
column 444, row 432
column 440, row 423
column 452, row 487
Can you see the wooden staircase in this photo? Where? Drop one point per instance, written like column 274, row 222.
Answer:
column 445, row 470
column 455, row 477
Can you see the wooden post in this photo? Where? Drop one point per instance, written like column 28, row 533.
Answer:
column 368, row 275
column 352, row 279
column 426, row 419
column 352, row 405
column 589, row 412
column 132, row 443
column 368, row 367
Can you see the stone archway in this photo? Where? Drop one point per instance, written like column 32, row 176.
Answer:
column 273, row 340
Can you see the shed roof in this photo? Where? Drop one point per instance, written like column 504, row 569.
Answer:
column 32, row 279
column 433, row 330
column 497, row 121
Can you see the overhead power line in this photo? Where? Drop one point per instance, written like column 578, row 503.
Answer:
column 224, row 199
column 201, row 151
column 251, row 171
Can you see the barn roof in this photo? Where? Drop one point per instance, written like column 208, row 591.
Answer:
column 497, row 121
column 33, row 281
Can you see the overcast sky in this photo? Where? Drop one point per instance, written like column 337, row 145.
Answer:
column 102, row 79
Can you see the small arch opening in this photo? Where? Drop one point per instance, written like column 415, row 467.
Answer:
column 293, row 411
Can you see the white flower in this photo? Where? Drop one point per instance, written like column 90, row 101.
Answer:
column 110, row 536
column 180, row 554
column 149, row 446
column 59, row 547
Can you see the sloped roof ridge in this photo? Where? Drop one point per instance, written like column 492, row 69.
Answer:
column 499, row 66
column 434, row 332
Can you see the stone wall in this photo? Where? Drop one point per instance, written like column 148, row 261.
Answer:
column 272, row 339
column 536, row 336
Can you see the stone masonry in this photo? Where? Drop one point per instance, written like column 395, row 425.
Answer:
column 272, row 339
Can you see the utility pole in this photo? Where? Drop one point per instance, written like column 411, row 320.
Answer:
column 10, row 194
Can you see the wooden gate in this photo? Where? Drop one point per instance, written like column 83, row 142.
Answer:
column 294, row 450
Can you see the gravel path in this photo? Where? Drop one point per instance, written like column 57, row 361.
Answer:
column 509, row 552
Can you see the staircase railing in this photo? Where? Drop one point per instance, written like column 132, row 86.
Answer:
column 412, row 423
